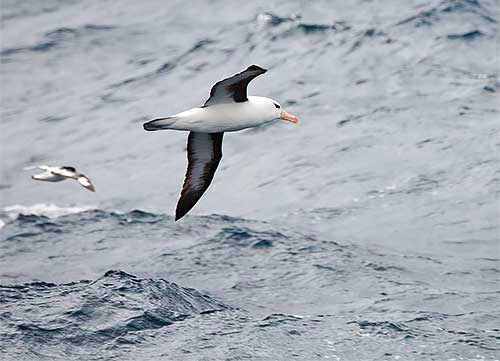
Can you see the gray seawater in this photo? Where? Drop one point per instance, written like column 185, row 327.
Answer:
column 370, row 231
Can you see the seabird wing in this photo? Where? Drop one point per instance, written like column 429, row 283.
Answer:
column 204, row 154
column 85, row 182
column 43, row 167
column 48, row 177
column 67, row 172
column 233, row 89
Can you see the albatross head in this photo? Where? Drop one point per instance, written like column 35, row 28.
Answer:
column 279, row 113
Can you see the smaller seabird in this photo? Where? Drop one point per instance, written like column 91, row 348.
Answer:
column 228, row 109
column 58, row 174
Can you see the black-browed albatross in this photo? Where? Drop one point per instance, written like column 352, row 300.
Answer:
column 228, row 109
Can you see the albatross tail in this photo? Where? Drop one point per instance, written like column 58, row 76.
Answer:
column 159, row 123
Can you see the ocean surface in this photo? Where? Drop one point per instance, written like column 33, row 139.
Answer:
column 369, row 231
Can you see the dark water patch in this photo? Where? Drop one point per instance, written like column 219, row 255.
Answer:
column 198, row 46
column 283, row 27
column 167, row 66
column 492, row 86
column 21, row 235
column 52, row 119
column 30, row 220
column 469, row 36
column 105, row 309
column 366, row 35
column 138, row 214
column 421, row 184
column 357, row 117
column 421, row 143
column 277, row 319
column 437, row 13
column 243, row 285
column 263, row 243
column 488, row 259
column 383, row 268
column 96, row 215
column 41, row 47
column 244, row 237
column 326, row 267
column 78, row 31
column 315, row 28
column 349, row 119
column 108, row 98
column 139, row 217
column 312, row 95
column 431, row 317
column 30, row 8
column 56, row 38
column 127, row 81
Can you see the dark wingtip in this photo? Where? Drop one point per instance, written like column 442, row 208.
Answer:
column 256, row 68
column 184, row 205
column 178, row 215
column 182, row 209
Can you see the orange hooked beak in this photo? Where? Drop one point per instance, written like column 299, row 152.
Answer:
column 288, row 117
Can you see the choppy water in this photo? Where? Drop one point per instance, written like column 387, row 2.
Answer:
column 368, row 232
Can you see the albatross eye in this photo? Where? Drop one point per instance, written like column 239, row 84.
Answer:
column 276, row 105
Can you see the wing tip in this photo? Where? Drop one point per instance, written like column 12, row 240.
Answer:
column 180, row 213
column 254, row 67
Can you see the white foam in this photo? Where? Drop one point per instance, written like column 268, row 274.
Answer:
column 42, row 209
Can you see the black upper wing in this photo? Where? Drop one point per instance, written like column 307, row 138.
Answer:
column 204, row 155
column 233, row 89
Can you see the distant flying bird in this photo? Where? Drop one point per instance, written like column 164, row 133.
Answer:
column 228, row 109
column 57, row 174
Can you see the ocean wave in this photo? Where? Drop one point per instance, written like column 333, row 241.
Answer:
column 286, row 26
column 435, row 14
column 468, row 36
column 273, row 20
column 56, row 38
column 369, row 34
column 105, row 309
column 166, row 66
column 242, row 236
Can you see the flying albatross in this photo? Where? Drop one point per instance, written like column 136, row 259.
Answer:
column 228, row 109
column 57, row 174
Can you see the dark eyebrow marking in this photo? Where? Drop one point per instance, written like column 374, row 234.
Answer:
column 276, row 105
